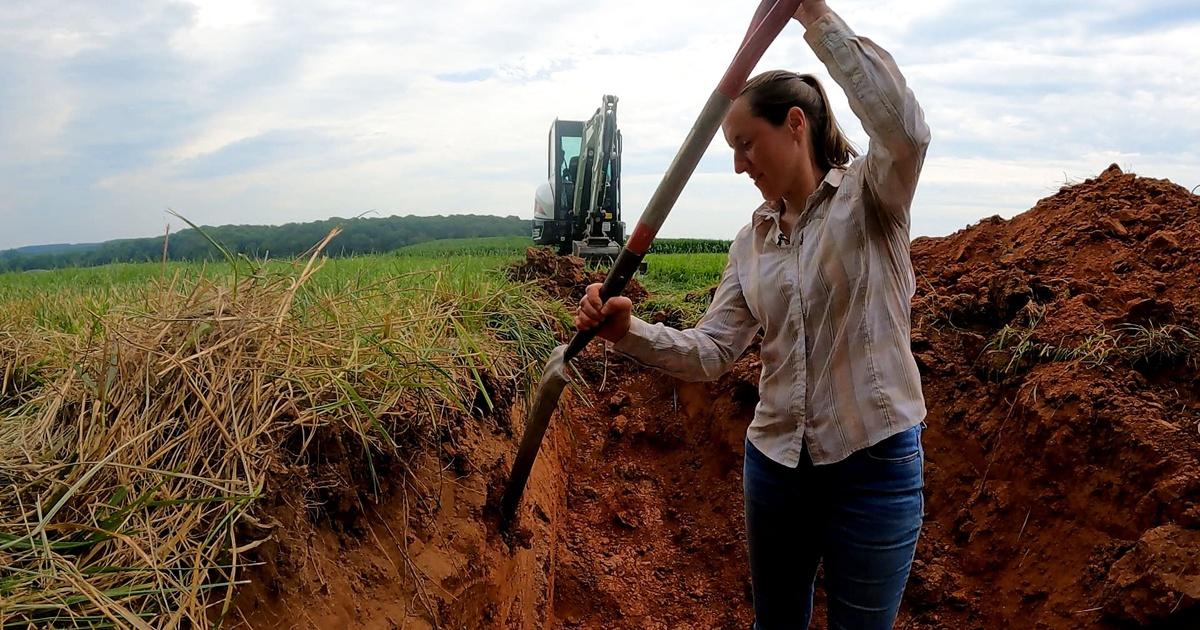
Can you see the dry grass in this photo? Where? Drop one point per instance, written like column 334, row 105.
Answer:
column 133, row 448
column 1015, row 348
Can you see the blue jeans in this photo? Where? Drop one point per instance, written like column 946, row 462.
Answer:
column 860, row 517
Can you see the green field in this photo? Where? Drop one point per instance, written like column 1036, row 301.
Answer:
column 64, row 300
column 144, row 407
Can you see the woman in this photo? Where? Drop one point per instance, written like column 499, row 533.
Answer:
column 833, row 467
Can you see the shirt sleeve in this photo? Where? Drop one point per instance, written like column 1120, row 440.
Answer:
column 887, row 108
column 702, row 353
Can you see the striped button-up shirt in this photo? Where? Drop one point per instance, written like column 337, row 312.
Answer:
column 833, row 297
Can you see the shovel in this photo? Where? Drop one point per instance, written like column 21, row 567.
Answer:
column 769, row 19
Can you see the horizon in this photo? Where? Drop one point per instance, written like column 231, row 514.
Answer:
column 972, row 223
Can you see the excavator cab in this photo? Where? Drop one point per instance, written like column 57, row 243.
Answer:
column 578, row 210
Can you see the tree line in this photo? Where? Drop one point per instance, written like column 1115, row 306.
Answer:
column 359, row 236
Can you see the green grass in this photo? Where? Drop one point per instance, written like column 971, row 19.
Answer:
column 515, row 246
column 681, row 273
column 1017, row 347
column 689, row 246
column 67, row 300
column 678, row 286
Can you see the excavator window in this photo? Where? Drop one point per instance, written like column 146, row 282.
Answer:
column 570, row 146
column 571, row 170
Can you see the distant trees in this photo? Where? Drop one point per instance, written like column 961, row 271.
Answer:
column 359, row 236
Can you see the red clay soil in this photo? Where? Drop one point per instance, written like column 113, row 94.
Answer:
column 653, row 534
column 1063, row 484
column 1063, row 477
column 422, row 552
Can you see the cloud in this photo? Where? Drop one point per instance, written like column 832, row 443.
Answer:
column 267, row 111
column 467, row 76
column 276, row 147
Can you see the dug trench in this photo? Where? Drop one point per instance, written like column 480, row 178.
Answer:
column 1059, row 355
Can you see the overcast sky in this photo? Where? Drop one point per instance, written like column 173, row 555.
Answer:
column 244, row 111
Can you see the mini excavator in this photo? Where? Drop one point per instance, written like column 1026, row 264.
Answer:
column 578, row 210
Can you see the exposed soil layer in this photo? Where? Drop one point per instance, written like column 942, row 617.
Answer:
column 1063, row 487
column 652, row 535
column 423, row 551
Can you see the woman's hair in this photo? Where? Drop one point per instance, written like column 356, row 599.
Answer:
column 771, row 95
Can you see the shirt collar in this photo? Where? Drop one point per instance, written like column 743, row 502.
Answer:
column 770, row 209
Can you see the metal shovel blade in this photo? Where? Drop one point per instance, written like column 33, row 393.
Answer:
column 549, row 390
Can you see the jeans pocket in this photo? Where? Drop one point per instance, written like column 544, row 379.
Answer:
column 902, row 448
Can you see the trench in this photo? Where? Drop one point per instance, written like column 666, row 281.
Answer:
column 633, row 519
column 652, row 527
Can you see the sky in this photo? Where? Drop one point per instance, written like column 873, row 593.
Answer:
column 268, row 112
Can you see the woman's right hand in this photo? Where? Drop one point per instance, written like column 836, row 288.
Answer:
column 613, row 317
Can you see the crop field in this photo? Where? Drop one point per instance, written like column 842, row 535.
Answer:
column 63, row 300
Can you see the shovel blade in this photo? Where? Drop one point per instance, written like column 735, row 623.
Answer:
column 550, row 389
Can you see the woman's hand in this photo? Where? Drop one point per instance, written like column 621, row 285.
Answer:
column 613, row 317
column 810, row 11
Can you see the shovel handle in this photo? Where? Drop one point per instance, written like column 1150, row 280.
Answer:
column 769, row 19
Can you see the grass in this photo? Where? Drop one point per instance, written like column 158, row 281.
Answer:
column 679, row 271
column 678, row 286
column 1153, row 346
column 515, row 246
column 1014, row 347
column 689, row 246
column 506, row 246
column 145, row 410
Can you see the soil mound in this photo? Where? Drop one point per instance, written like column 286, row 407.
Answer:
column 564, row 277
column 1059, row 351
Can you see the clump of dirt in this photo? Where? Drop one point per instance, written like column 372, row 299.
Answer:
column 1059, row 352
column 564, row 277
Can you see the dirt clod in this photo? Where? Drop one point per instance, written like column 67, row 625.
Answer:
column 1158, row 579
column 564, row 277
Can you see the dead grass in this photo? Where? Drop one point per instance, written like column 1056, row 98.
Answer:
column 1016, row 347
column 133, row 449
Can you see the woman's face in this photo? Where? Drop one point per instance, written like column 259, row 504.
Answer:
column 769, row 154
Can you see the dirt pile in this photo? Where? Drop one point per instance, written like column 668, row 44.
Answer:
column 1060, row 352
column 564, row 277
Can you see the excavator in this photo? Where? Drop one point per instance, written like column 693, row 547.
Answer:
column 578, row 210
